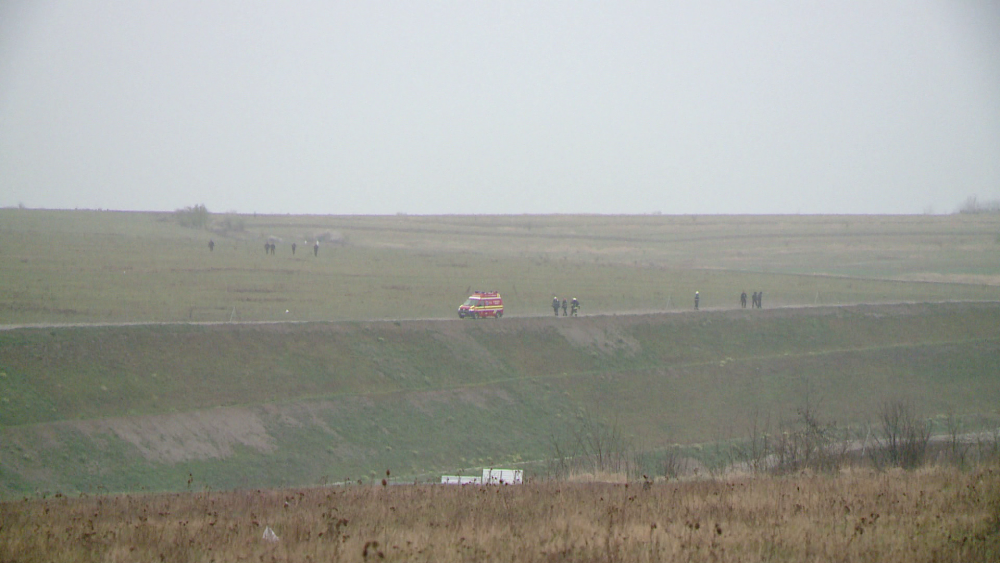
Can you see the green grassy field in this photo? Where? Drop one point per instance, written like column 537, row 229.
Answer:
column 379, row 374
column 89, row 266
column 128, row 407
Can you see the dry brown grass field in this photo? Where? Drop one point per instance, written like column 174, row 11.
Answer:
column 855, row 515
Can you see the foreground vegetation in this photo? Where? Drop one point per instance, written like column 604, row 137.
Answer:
column 854, row 515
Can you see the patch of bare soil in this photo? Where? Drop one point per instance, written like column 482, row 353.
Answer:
column 607, row 338
column 172, row 438
column 456, row 338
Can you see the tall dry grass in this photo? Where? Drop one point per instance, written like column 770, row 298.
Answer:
column 927, row 515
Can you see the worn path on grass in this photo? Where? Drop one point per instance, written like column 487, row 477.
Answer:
column 738, row 310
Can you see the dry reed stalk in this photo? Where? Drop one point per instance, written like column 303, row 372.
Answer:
column 857, row 515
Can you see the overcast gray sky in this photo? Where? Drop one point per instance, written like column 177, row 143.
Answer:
column 500, row 107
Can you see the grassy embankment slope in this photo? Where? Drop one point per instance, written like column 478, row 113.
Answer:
column 121, row 408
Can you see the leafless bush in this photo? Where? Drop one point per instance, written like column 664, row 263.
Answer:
column 606, row 446
column 231, row 222
column 988, row 447
column 754, row 452
column 597, row 447
column 559, row 463
column 330, row 237
column 196, row 217
column 903, row 437
column 671, row 463
column 972, row 205
column 809, row 443
column 957, row 450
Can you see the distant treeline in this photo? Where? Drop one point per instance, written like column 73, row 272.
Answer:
column 973, row 205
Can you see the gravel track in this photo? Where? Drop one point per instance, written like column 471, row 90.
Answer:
column 8, row 327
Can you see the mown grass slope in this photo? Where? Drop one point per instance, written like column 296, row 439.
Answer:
column 125, row 408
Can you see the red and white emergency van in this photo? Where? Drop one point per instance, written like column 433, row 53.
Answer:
column 482, row 304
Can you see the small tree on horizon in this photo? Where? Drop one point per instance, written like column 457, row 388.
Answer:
column 973, row 205
column 195, row 217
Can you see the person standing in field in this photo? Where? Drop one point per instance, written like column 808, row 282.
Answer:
column 743, row 300
column 564, row 305
column 760, row 298
column 574, row 306
column 293, row 249
column 211, row 245
column 697, row 298
column 316, row 249
column 555, row 305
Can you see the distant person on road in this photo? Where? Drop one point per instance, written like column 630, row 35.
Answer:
column 696, row 299
column 564, row 305
column 211, row 245
column 293, row 249
column 743, row 300
column 316, row 249
column 574, row 306
column 555, row 305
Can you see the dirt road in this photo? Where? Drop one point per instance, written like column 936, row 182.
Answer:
column 703, row 310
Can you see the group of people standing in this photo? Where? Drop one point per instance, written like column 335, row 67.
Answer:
column 270, row 247
column 574, row 306
column 755, row 303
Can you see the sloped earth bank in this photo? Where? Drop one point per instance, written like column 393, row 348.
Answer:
column 242, row 406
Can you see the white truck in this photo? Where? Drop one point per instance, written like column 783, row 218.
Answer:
column 490, row 476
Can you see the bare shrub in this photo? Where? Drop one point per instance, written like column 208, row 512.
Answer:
column 232, row 222
column 957, row 450
column 754, row 452
column 988, row 447
column 195, row 217
column 596, row 447
column 903, row 437
column 671, row 463
column 606, row 445
column 809, row 443
column 330, row 237
column 972, row 205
